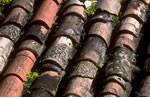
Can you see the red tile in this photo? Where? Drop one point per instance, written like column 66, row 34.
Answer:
column 113, row 89
column 17, row 16
column 71, row 27
column 27, row 5
column 102, row 30
column 79, row 87
column 110, row 6
column 136, row 9
column 147, row 1
column 127, row 40
column 46, row 13
column 93, row 51
column 21, row 65
column 11, row 86
column 78, row 10
column 130, row 25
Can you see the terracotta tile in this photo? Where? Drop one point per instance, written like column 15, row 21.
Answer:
column 6, row 47
column 120, row 64
column 27, row 5
column 102, row 30
column 37, row 32
column 21, row 65
column 79, row 87
column 110, row 6
column 11, row 86
column 94, row 51
column 127, row 40
column 77, row 10
column 60, row 52
column 11, row 32
column 73, row 2
column 46, row 13
column 146, row 1
column 17, row 16
column 48, row 82
column 130, row 25
column 84, row 69
column 136, row 9
column 40, row 93
column 104, row 18
column 66, row 41
column 113, row 89
column 71, row 27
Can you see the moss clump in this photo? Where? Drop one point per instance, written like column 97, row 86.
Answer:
column 5, row 2
column 91, row 9
column 117, row 21
column 31, row 77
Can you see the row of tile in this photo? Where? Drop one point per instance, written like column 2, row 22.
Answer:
column 66, row 41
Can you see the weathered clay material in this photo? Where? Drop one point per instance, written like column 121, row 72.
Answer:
column 121, row 64
column 84, row 69
column 37, row 32
column 130, row 25
column 91, row 56
column 48, row 81
column 11, row 84
column 46, row 66
column 10, row 31
column 113, row 8
column 94, row 51
column 127, row 40
column 46, row 13
column 16, row 68
column 54, row 62
column 146, row 1
column 33, row 46
column 71, row 27
column 29, row 50
column 73, row 2
column 102, row 30
column 113, row 89
column 6, row 46
column 40, row 93
column 27, row 5
column 60, row 52
column 77, row 10
column 136, row 9
column 79, row 87
column 17, row 16
column 119, row 72
column 103, row 17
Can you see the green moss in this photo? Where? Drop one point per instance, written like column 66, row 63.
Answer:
column 31, row 77
column 117, row 18
column 5, row 2
column 91, row 9
column 117, row 21
column 121, row 1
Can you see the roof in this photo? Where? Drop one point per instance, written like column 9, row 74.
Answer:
column 75, row 53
